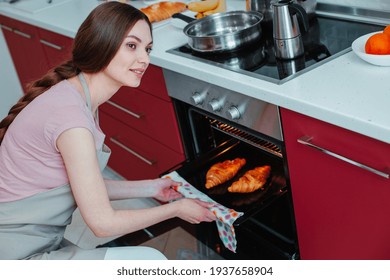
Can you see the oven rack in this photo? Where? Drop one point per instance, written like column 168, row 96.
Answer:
column 247, row 138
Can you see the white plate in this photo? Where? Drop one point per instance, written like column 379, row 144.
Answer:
column 358, row 47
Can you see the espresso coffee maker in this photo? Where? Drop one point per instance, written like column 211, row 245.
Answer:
column 286, row 32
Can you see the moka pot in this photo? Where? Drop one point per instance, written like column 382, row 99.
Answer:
column 288, row 41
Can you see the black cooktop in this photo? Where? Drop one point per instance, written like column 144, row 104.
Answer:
column 325, row 39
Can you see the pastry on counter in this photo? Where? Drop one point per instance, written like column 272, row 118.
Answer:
column 163, row 10
column 221, row 172
column 252, row 180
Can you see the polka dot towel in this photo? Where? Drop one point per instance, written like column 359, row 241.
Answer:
column 225, row 216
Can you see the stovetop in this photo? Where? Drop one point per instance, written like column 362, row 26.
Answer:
column 326, row 39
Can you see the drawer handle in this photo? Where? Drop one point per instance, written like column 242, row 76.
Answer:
column 6, row 27
column 135, row 115
column 306, row 140
column 54, row 46
column 20, row 33
column 115, row 141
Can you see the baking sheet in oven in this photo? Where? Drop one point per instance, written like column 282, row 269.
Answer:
column 249, row 203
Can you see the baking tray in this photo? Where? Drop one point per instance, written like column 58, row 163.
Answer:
column 249, row 203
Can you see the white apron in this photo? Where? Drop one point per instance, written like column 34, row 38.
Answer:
column 33, row 227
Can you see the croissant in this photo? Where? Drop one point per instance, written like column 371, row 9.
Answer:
column 223, row 171
column 163, row 10
column 251, row 181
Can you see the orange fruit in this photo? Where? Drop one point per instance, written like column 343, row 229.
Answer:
column 378, row 43
column 387, row 30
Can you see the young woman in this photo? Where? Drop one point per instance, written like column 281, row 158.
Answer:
column 52, row 151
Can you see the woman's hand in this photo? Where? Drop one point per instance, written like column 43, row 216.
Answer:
column 161, row 189
column 194, row 211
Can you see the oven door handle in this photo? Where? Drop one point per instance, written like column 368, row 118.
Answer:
column 307, row 141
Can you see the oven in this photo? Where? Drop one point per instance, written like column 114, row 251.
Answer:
column 218, row 124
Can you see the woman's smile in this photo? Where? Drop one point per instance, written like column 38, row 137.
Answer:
column 139, row 72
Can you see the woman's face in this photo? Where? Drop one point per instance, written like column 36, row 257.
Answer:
column 130, row 62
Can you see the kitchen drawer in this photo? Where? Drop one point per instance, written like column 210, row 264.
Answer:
column 15, row 25
column 27, row 54
column 153, row 82
column 147, row 114
column 134, row 155
column 349, row 144
column 57, row 48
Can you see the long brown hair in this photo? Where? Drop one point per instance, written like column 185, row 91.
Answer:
column 96, row 43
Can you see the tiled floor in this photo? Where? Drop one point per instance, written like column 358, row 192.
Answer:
column 168, row 237
column 178, row 244
column 174, row 238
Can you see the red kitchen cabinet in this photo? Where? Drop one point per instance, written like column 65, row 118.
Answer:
column 33, row 50
column 57, row 48
column 26, row 51
column 342, row 210
column 146, row 114
column 135, row 155
column 141, row 129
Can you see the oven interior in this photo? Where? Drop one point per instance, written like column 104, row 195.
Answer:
column 267, row 228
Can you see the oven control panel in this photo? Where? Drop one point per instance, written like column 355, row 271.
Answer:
column 227, row 104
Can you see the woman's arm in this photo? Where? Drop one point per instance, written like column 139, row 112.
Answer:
column 77, row 148
column 157, row 188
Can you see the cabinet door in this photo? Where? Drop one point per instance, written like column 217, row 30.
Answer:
column 26, row 51
column 134, row 155
column 342, row 210
column 153, row 82
column 57, row 48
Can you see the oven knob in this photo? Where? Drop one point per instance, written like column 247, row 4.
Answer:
column 233, row 113
column 215, row 105
column 198, row 98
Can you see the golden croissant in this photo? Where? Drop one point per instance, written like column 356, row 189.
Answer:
column 163, row 10
column 223, row 171
column 251, row 181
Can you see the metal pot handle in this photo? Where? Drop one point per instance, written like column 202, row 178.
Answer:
column 183, row 17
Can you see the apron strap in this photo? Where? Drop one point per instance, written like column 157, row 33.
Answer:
column 86, row 90
column 88, row 95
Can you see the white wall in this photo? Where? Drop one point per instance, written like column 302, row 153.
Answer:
column 382, row 5
column 10, row 88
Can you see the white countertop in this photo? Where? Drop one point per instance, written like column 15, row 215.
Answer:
column 345, row 91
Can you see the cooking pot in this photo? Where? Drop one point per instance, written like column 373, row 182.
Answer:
column 223, row 32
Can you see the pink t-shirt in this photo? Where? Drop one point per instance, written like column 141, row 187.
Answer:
column 29, row 159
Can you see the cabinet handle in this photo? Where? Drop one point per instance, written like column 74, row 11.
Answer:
column 115, row 141
column 6, row 27
column 25, row 35
column 306, row 140
column 135, row 115
column 54, row 46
